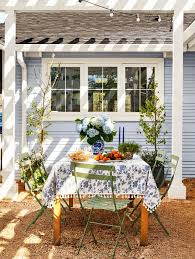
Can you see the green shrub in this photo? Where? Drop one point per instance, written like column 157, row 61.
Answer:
column 130, row 147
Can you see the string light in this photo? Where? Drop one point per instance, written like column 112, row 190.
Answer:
column 103, row 7
column 111, row 13
column 138, row 18
column 158, row 18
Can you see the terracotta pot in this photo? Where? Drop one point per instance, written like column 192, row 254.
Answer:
column 128, row 155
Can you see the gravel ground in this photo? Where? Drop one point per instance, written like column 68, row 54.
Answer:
column 178, row 217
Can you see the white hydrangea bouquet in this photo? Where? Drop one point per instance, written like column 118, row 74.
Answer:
column 96, row 128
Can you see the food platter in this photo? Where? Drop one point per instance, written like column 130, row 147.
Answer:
column 109, row 161
column 79, row 156
column 113, row 156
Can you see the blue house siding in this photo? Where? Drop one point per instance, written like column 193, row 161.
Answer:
column 61, row 138
column 189, row 116
column 104, row 55
column 168, row 103
column 18, row 107
column 188, row 111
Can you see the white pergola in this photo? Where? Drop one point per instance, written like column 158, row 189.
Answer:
column 181, row 42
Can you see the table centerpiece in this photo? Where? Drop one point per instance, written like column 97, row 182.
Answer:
column 96, row 130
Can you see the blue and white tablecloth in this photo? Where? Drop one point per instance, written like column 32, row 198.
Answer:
column 133, row 179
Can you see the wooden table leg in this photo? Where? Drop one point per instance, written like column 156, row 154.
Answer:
column 56, row 221
column 144, row 226
column 71, row 200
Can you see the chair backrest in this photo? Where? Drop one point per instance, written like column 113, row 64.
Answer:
column 173, row 166
column 82, row 170
column 159, row 165
column 33, row 170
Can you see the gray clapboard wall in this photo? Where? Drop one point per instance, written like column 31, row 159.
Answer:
column 61, row 140
column 189, row 116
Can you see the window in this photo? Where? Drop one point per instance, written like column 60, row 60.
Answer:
column 65, row 92
column 102, row 89
column 137, row 81
column 116, row 86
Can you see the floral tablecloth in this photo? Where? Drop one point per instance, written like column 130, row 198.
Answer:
column 133, row 179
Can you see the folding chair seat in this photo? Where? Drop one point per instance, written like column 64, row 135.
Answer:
column 105, row 203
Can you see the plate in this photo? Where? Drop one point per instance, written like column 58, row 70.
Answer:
column 109, row 161
column 78, row 161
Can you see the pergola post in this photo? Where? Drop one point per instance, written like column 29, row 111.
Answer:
column 177, row 190
column 9, row 189
column 20, row 59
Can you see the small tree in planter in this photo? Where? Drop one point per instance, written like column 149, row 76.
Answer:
column 152, row 118
column 39, row 114
column 37, row 122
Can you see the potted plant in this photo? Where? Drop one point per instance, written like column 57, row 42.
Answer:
column 152, row 118
column 96, row 130
column 128, row 149
column 149, row 157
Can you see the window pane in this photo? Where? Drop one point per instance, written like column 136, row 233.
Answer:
column 73, row 101
column 58, row 78
column 143, row 77
column 110, row 101
column 132, row 101
column 95, row 101
column 150, row 75
column 72, row 78
column 110, row 77
column 58, row 100
column 131, row 77
column 95, row 77
column 145, row 95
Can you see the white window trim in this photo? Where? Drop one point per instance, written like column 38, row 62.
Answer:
column 120, row 63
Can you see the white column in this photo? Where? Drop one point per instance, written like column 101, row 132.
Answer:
column 20, row 59
column 177, row 190
column 8, row 188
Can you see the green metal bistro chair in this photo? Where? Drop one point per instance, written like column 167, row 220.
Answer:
column 159, row 164
column 81, row 170
column 173, row 166
column 34, row 179
column 28, row 176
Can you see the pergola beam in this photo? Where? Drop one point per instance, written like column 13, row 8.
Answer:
column 191, row 44
column 189, row 33
column 93, row 47
column 122, row 5
column 1, row 45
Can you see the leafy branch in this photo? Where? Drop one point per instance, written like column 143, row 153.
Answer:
column 37, row 119
column 152, row 117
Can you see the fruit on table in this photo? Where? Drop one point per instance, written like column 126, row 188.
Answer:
column 113, row 155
